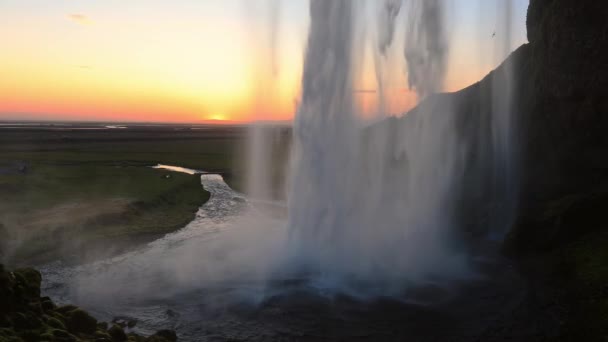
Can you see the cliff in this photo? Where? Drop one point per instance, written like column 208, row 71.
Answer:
column 557, row 226
column 557, row 85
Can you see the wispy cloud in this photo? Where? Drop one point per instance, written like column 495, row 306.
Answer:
column 79, row 18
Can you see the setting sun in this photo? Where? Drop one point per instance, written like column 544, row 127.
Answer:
column 216, row 117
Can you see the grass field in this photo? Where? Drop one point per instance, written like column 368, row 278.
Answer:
column 75, row 193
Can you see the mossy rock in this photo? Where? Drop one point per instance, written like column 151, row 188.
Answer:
column 79, row 321
column 163, row 336
column 102, row 335
column 4, row 322
column 30, row 280
column 117, row 333
column 47, row 336
column 26, row 317
column 102, row 325
column 587, row 284
column 6, row 333
column 55, row 323
column 30, row 335
column 135, row 338
column 62, row 335
column 58, row 316
column 66, row 309
column 47, row 304
column 557, row 222
column 25, row 321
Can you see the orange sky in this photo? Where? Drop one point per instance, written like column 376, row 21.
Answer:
column 177, row 61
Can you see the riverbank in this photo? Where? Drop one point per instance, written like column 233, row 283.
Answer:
column 77, row 194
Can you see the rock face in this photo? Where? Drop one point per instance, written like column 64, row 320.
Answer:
column 570, row 52
column 25, row 316
column 560, row 119
column 564, row 117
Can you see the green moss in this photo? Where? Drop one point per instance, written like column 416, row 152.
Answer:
column 63, row 310
column 29, row 280
column 23, row 319
column 55, row 323
column 125, row 204
column 63, row 335
column 102, row 334
column 80, row 321
column 117, row 333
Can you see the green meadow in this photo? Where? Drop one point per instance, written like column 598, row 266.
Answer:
column 75, row 194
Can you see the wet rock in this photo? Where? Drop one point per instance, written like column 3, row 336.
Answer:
column 125, row 322
column 239, row 199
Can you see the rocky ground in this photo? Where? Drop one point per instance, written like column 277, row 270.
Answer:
column 27, row 317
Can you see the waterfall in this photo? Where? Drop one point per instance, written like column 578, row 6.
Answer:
column 353, row 217
column 377, row 208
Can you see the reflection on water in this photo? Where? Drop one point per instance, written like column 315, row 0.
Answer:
column 178, row 169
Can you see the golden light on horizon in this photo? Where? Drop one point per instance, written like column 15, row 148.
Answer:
column 187, row 61
column 217, row 117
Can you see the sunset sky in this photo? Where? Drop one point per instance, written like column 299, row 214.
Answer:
column 199, row 60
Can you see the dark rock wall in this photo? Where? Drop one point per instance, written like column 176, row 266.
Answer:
column 563, row 118
column 560, row 115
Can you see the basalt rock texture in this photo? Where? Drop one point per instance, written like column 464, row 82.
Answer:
column 27, row 317
column 563, row 119
column 558, row 229
column 555, row 89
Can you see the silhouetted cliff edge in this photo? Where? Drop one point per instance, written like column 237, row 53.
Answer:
column 559, row 139
column 559, row 132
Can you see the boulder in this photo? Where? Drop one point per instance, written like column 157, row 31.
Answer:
column 25, row 316
column 78, row 321
column 117, row 333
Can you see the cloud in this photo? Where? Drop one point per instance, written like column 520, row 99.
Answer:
column 79, row 18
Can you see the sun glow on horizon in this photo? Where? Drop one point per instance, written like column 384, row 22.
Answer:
column 182, row 61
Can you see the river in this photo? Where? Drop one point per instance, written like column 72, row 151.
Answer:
column 207, row 282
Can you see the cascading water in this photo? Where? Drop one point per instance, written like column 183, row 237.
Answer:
column 353, row 217
column 377, row 206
